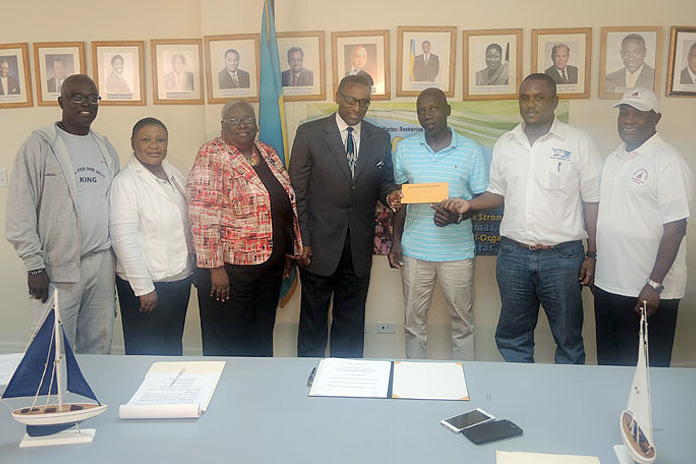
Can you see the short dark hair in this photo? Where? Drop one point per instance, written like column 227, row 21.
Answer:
column 360, row 78
column 425, row 42
column 692, row 48
column 634, row 36
column 148, row 122
column 77, row 77
column 116, row 57
column 292, row 50
column 231, row 50
column 179, row 56
column 433, row 92
column 541, row 77
column 495, row 46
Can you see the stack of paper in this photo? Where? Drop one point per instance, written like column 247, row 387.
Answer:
column 174, row 390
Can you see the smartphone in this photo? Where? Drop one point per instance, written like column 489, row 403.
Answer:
column 492, row 431
column 460, row 422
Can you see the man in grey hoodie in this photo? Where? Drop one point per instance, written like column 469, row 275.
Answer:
column 57, row 217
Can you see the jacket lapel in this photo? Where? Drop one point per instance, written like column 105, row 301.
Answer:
column 364, row 154
column 335, row 144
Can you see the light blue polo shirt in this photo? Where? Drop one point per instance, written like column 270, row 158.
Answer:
column 462, row 166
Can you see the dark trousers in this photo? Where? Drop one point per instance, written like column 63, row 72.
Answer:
column 348, row 324
column 617, row 327
column 158, row 332
column 243, row 325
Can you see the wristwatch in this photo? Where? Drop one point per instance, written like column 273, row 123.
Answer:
column 36, row 271
column 658, row 287
column 459, row 219
column 591, row 254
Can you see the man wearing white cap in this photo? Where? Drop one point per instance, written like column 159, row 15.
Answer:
column 645, row 192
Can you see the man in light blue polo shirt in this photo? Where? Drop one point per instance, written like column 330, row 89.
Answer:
column 429, row 243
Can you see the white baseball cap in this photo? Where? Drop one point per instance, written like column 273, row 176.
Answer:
column 640, row 99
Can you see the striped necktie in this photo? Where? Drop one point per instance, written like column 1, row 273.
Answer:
column 350, row 150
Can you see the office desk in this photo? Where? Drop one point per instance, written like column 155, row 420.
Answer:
column 261, row 413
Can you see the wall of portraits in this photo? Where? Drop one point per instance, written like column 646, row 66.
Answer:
column 89, row 40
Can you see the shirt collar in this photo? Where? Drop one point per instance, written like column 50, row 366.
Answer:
column 454, row 142
column 556, row 129
column 342, row 125
column 641, row 150
column 637, row 71
column 691, row 73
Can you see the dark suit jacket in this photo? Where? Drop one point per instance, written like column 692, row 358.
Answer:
column 306, row 77
column 572, row 72
column 685, row 77
column 421, row 72
column 12, row 87
column 225, row 80
column 617, row 80
column 329, row 202
column 51, row 85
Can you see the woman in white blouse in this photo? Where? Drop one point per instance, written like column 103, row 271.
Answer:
column 148, row 224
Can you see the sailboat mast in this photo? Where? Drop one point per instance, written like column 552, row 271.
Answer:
column 57, row 341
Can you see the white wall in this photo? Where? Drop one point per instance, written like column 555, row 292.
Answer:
column 189, row 126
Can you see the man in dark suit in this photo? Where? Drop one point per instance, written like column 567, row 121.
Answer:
column 296, row 75
column 561, row 72
column 59, row 75
column 8, row 84
column 339, row 167
column 688, row 74
column 636, row 72
column 426, row 66
column 231, row 77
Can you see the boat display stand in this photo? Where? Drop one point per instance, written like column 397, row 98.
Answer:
column 71, row 436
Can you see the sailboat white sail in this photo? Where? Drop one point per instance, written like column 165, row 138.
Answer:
column 39, row 374
column 636, row 419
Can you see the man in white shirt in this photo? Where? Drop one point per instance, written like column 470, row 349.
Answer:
column 547, row 175
column 8, row 84
column 641, row 255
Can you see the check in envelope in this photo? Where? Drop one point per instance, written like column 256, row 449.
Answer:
column 425, row 193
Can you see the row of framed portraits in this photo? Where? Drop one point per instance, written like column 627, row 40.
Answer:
column 630, row 57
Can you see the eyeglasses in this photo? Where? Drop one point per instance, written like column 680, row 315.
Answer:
column 78, row 98
column 350, row 101
column 237, row 121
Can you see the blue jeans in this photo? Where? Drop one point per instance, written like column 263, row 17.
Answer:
column 527, row 278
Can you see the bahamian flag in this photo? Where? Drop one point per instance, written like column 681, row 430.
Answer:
column 271, row 104
column 272, row 113
column 411, row 60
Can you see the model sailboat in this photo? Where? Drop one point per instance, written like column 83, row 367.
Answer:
column 636, row 420
column 40, row 374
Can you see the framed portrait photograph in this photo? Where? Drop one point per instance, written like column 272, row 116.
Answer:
column 365, row 53
column 681, row 71
column 565, row 56
column 232, row 67
column 302, row 65
column 15, row 79
column 492, row 64
column 119, row 72
column 53, row 62
column 177, row 72
column 630, row 58
column 425, row 58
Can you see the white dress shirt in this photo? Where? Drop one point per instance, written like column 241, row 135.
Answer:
column 343, row 129
column 545, row 184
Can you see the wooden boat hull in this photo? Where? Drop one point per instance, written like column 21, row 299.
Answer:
column 638, row 446
column 53, row 415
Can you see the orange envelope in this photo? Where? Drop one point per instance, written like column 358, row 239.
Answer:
column 425, row 193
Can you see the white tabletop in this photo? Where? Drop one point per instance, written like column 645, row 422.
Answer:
column 261, row 413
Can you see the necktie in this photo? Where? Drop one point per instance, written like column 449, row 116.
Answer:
column 350, row 150
column 565, row 76
column 235, row 79
column 294, row 80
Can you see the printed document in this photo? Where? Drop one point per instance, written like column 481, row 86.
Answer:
column 429, row 381
column 505, row 457
column 351, row 378
column 174, row 390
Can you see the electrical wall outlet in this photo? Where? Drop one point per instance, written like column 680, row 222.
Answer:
column 385, row 328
